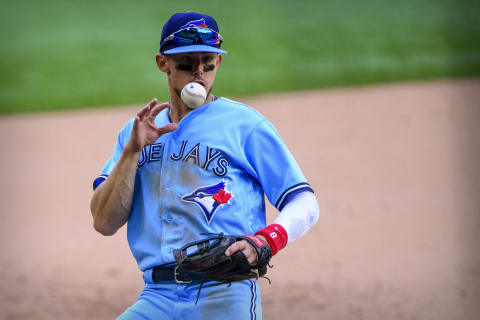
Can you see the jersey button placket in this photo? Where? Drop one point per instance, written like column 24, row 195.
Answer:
column 164, row 220
column 170, row 228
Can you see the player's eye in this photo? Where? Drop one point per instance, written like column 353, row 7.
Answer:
column 189, row 67
column 208, row 67
column 184, row 67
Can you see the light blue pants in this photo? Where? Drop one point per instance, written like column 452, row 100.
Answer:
column 169, row 300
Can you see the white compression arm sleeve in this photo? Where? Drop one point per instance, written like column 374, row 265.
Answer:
column 299, row 215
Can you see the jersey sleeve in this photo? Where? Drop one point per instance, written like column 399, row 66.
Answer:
column 122, row 139
column 273, row 165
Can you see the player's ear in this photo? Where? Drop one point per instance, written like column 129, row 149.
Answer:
column 162, row 63
column 219, row 60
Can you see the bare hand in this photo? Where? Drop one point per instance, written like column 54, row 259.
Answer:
column 144, row 131
column 246, row 248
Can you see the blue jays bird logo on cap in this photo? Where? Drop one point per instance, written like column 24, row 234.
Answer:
column 210, row 198
column 200, row 23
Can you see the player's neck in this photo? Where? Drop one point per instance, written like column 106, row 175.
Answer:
column 177, row 110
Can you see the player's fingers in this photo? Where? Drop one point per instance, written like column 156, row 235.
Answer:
column 167, row 128
column 159, row 107
column 146, row 109
column 245, row 247
column 141, row 114
column 153, row 102
column 135, row 123
column 250, row 253
column 236, row 246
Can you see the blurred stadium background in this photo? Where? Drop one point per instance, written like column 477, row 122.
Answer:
column 72, row 54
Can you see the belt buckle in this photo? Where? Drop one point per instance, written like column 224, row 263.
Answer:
column 176, row 273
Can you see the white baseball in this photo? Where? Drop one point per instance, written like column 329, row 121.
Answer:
column 193, row 95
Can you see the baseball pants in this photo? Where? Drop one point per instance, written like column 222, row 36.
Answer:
column 169, row 300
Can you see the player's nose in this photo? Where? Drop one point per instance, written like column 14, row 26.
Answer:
column 197, row 69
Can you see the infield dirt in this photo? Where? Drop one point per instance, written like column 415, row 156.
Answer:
column 395, row 169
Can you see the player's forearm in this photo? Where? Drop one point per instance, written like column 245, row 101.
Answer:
column 295, row 219
column 111, row 202
column 299, row 215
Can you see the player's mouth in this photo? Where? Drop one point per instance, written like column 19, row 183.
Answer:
column 200, row 82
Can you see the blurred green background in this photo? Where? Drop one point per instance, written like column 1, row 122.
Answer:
column 73, row 54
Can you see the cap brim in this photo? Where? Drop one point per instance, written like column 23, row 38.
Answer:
column 194, row 48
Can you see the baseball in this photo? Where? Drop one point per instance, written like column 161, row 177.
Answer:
column 193, row 95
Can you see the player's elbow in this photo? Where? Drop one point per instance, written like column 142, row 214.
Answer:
column 102, row 218
column 314, row 210
column 104, row 228
column 314, row 215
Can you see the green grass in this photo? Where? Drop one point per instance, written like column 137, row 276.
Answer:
column 72, row 54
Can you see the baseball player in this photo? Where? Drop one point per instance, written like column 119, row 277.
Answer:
column 178, row 172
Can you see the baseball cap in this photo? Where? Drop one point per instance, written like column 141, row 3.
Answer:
column 190, row 32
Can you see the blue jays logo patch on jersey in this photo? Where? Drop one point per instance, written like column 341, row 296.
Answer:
column 210, row 198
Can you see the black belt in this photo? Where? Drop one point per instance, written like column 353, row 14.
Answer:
column 160, row 274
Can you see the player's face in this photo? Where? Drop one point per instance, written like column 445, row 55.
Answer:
column 198, row 67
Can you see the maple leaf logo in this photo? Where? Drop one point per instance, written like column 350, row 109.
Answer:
column 222, row 197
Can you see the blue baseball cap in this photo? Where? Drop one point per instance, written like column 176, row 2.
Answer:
column 190, row 32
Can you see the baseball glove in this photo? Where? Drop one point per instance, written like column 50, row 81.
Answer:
column 207, row 260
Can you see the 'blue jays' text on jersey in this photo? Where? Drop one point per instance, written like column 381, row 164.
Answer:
column 210, row 175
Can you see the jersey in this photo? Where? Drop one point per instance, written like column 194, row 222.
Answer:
column 210, row 175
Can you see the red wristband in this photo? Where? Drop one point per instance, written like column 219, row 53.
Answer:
column 276, row 237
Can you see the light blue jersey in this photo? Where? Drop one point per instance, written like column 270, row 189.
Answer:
column 210, row 175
